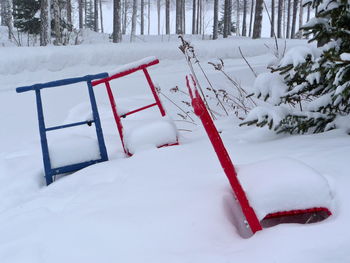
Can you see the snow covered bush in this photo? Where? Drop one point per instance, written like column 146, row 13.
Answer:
column 309, row 89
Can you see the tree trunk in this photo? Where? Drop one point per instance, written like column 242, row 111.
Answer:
column 125, row 16
column 238, row 23
column 69, row 14
column 3, row 12
column 229, row 17
column 133, row 21
column 226, row 3
column 57, row 25
column 178, row 17
column 272, row 32
column 244, row 26
column 288, row 18
column 81, row 15
column 251, row 18
column 258, row 19
column 198, row 17
column 96, row 15
column 101, row 16
column 117, row 33
column 183, row 16
column 294, row 21
column 167, row 17
column 149, row 17
column 216, row 19
column 142, row 17
column 8, row 17
column 301, row 17
column 308, row 12
column 194, row 16
column 44, row 23
column 279, row 18
column 158, row 15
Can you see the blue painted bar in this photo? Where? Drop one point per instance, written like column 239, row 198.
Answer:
column 96, row 116
column 69, row 125
column 49, row 171
column 74, row 167
column 43, row 139
column 62, row 82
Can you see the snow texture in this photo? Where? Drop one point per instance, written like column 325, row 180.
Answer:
column 73, row 150
column 151, row 135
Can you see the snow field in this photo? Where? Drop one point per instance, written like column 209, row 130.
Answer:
column 161, row 205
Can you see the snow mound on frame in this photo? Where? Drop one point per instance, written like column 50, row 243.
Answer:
column 283, row 184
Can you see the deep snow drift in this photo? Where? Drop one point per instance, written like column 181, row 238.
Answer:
column 160, row 205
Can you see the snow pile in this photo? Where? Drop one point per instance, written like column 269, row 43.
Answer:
column 58, row 58
column 298, row 55
column 152, row 135
column 283, row 184
column 132, row 65
column 73, row 150
column 270, row 87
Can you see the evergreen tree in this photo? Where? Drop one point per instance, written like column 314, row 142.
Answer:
column 316, row 89
column 26, row 15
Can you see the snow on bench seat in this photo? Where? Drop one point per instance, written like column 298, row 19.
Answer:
column 73, row 150
column 133, row 65
column 151, row 135
column 283, row 185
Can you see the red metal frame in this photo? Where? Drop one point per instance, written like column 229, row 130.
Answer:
column 226, row 163
column 118, row 117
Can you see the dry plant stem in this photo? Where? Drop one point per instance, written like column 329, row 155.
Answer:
column 274, row 34
column 187, row 122
column 242, row 91
column 165, row 96
column 212, row 88
column 185, row 49
column 246, row 61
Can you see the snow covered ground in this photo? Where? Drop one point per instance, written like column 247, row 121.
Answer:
column 160, row 205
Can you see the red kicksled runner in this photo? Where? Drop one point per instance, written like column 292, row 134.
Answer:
column 247, row 220
column 125, row 70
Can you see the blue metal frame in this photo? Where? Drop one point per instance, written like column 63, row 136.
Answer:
column 49, row 171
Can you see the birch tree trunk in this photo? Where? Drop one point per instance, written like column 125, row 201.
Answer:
column 45, row 31
column 142, row 17
column 229, row 17
column 167, row 17
column 251, row 18
column 279, row 18
column 117, row 15
column 244, row 25
column 258, row 19
column 96, row 15
column 216, row 19
column 294, row 21
column 133, row 21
